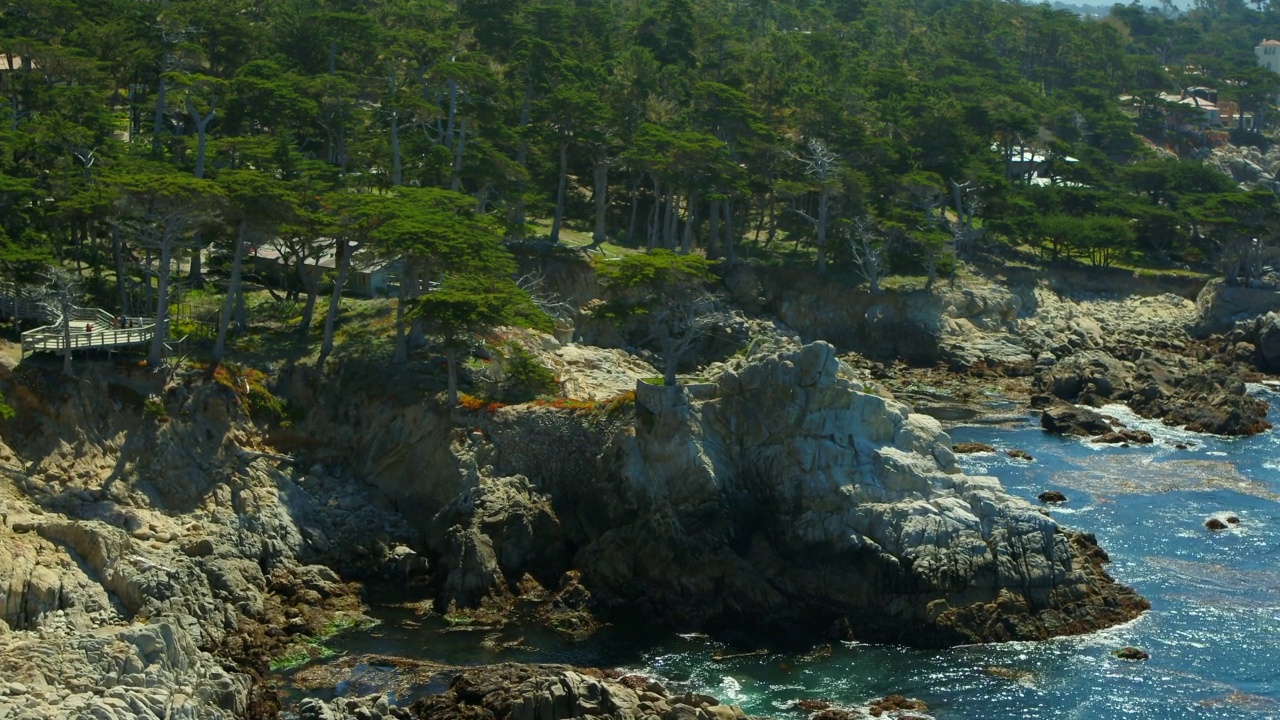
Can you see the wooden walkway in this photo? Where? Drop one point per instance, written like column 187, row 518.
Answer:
column 91, row 328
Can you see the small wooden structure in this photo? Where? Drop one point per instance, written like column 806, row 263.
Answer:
column 91, row 328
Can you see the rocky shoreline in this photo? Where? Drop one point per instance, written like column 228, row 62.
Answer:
column 159, row 548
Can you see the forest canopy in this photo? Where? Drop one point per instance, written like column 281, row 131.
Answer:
column 856, row 135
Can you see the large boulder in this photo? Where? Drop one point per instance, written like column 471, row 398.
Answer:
column 1063, row 419
column 1267, row 340
column 1220, row 306
column 500, row 529
column 1088, row 376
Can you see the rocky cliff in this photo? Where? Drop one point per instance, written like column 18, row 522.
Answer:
column 780, row 496
column 154, row 554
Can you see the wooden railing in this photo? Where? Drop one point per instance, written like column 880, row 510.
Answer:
column 21, row 302
column 90, row 328
column 51, row 338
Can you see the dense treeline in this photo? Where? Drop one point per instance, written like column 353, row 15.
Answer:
column 871, row 134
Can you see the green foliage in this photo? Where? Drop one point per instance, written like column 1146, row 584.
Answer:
column 249, row 387
column 315, row 647
column 527, row 377
column 425, row 132
column 511, row 374
column 637, row 283
column 464, row 305
column 153, row 407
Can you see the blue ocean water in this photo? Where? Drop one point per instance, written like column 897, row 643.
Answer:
column 1213, row 631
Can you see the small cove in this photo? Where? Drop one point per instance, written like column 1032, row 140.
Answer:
column 1213, row 632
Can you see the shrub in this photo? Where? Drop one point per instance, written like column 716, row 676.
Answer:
column 511, row 375
column 527, row 377
column 154, row 407
column 250, row 389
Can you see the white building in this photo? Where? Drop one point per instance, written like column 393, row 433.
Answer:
column 1268, row 52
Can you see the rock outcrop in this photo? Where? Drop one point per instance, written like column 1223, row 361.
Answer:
column 1220, row 306
column 1071, row 420
column 558, row 692
column 782, row 495
column 1179, row 391
column 117, row 673
column 141, row 553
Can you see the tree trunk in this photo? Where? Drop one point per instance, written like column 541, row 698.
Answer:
column 451, row 357
column 417, row 332
column 117, row 248
column 669, row 362
column 158, row 122
column 635, row 210
column 600, row 173
column 195, row 271
column 402, row 299
column 335, row 301
column 147, row 295
column 162, row 306
column 730, row 252
column 669, row 220
column 196, row 274
column 66, row 335
column 690, row 217
column 453, row 113
column 958, row 200
column 656, row 215
column 242, row 311
column 202, row 132
column 713, row 230
column 312, row 284
column 772, row 234
column 824, row 203
column 233, row 289
column 764, row 204
column 516, row 217
column 397, row 166
column 561, row 185
column 456, row 183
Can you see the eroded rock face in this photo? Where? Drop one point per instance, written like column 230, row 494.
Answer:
column 498, row 529
column 139, row 557
column 788, row 498
column 119, row 673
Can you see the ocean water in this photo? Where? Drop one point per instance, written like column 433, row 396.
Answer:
column 1213, row 631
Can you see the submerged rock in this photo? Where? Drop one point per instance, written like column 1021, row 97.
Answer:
column 1131, row 653
column 966, row 448
column 1124, row 435
column 837, row 714
column 896, row 703
column 1051, row 496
